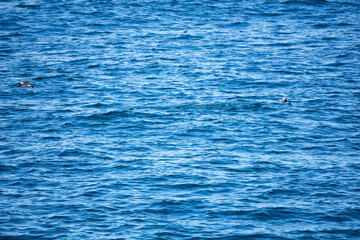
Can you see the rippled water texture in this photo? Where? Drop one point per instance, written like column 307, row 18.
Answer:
column 164, row 120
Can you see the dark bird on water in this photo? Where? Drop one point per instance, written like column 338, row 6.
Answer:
column 25, row 84
column 285, row 100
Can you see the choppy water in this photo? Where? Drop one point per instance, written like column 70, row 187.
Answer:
column 163, row 119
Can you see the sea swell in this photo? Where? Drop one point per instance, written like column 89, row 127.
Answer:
column 164, row 120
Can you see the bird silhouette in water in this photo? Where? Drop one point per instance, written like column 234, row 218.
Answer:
column 285, row 100
column 25, row 84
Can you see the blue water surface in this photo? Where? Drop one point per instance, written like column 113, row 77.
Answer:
column 163, row 119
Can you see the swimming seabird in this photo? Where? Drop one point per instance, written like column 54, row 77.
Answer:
column 285, row 100
column 25, row 84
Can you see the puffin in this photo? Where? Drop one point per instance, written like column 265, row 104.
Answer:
column 25, row 84
column 285, row 100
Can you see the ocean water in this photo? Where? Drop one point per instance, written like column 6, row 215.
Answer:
column 164, row 120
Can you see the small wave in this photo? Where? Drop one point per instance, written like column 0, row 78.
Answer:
column 237, row 25
column 97, row 105
column 74, row 152
column 304, row 2
column 31, row 6
column 6, row 168
column 188, row 37
column 322, row 25
column 111, row 115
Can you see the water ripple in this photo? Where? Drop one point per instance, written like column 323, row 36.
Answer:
column 164, row 119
